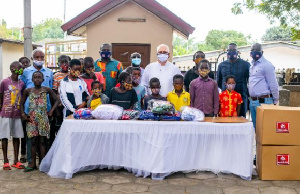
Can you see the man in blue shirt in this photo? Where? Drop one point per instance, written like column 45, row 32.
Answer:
column 38, row 58
column 240, row 70
column 263, row 86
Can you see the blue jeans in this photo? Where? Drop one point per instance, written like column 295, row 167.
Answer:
column 254, row 104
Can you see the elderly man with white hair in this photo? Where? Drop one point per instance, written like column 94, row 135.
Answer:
column 38, row 62
column 161, row 69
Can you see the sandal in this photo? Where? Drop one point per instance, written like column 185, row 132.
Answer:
column 18, row 165
column 29, row 169
column 6, row 166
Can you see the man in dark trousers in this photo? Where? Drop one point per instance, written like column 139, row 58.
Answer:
column 240, row 70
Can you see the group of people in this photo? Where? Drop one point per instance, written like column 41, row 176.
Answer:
column 34, row 100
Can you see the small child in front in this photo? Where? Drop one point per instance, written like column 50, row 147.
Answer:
column 154, row 84
column 97, row 98
column 204, row 91
column 230, row 100
column 11, row 89
column 179, row 97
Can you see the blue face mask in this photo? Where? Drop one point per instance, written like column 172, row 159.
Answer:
column 136, row 62
column 232, row 55
column 105, row 54
column 255, row 55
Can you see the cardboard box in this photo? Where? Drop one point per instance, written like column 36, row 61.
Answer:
column 278, row 162
column 278, row 125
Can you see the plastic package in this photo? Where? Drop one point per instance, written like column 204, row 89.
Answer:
column 130, row 114
column 108, row 112
column 161, row 107
column 83, row 113
column 174, row 117
column 192, row 114
column 148, row 115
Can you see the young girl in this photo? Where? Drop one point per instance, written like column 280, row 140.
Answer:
column 124, row 95
column 97, row 98
column 89, row 74
column 230, row 100
column 154, row 84
column 38, row 128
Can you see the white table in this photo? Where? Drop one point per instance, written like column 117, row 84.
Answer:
column 155, row 148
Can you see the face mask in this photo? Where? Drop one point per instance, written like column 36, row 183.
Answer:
column 135, row 80
column 155, row 90
column 19, row 72
column 255, row 55
column 136, row 62
column 197, row 60
column 232, row 55
column 127, row 86
column 75, row 73
column 178, row 87
column 105, row 54
column 230, row 86
column 162, row 57
column 97, row 92
column 64, row 68
column 204, row 72
column 90, row 71
column 38, row 63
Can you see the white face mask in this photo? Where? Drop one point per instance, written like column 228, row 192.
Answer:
column 162, row 57
column 38, row 63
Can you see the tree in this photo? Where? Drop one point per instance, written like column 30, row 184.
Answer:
column 182, row 46
column 278, row 34
column 287, row 12
column 48, row 29
column 9, row 33
column 219, row 39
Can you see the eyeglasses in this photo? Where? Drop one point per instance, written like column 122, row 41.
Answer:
column 162, row 52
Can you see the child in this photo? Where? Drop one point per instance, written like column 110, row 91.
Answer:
column 97, row 98
column 204, row 91
column 73, row 90
column 10, row 122
column 154, row 85
column 124, row 95
column 38, row 127
column 139, row 89
column 89, row 74
column 25, row 62
column 63, row 63
column 230, row 100
column 179, row 97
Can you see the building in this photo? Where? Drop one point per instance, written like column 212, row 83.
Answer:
column 283, row 55
column 10, row 51
column 130, row 26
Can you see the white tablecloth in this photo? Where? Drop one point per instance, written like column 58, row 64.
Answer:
column 155, row 148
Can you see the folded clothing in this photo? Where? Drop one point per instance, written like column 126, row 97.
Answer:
column 83, row 113
column 192, row 114
column 108, row 112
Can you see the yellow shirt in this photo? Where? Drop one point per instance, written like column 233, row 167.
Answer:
column 95, row 103
column 183, row 100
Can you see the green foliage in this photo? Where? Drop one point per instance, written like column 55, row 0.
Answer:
column 278, row 33
column 9, row 33
column 48, row 29
column 182, row 46
column 286, row 11
column 219, row 39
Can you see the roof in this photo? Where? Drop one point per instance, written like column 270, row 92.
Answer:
column 240, row 48
column 17, row 42
column 104, row 6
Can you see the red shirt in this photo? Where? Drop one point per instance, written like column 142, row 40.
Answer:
column 228, row 103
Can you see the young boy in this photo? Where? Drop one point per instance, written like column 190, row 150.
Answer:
column 179, row 97
column 154, row 85
column 204, row 91
column 230, row 100
column 73, row 90
column 11, row 90
column 97, row 98
column 63, row 63
column 139, row 89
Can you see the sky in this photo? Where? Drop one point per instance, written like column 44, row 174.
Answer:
column 203, row 15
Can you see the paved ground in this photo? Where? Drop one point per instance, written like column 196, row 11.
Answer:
column 108, row 181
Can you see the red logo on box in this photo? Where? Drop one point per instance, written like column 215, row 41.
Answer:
column 283, row 127
column 283, row 159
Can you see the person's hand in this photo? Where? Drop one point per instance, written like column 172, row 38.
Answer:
column 24, row 117
column 81, row 106
column 50, row 113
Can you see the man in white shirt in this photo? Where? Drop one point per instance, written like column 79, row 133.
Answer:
column 161, row 69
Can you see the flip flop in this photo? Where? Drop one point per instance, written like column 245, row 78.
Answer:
column 29, row 169
column 6, row 166
column 18, row 165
